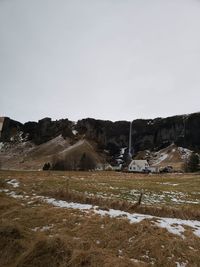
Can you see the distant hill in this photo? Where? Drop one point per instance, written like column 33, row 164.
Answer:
column 32, row 144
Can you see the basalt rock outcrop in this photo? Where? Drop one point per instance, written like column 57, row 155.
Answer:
column 37, row 132
column 146, row 134
column 109, row 135
column 9, row 129
column 152, row 134
column 46, row 129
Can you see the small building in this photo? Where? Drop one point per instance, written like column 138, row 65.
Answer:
column 154, row 169
column 139, row 166
column 117, row 168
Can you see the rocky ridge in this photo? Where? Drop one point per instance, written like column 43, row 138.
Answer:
column 106, row 139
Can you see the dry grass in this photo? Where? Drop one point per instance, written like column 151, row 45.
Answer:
column 46, row 252
column 11, row 245
column 106, row 204
column 78, row 239
column 83, row 198
column 20, row 246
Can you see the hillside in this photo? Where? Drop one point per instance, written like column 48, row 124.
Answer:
column 26, row 155
column 170, row 156
column 163, row 141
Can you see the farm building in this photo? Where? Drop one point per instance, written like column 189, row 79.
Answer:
column 138, row 166
column 154, row 169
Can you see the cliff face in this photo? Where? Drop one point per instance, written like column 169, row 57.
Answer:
column 146, row 134
column 156, row 134
column 109, row 135
column 46, row 129
column 9, row 129
column 37, row 132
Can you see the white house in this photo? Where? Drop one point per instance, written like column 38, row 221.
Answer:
column 138, row 166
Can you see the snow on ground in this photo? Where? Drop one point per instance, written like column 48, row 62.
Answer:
column 122, row 151
column 13, row 182
column 184, row 153
column 161, row 158
column 181, row 264
column 43, row 228
column 4, row 190
column 151, row 122
column 163, row 197
column 167, row 183
column 133, row 218
column 75, row 132
column 172, row 225
column 65, row 204
column 14, row 195
column 169, row 152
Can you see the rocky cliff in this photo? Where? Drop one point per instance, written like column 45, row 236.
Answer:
column 151, row 134
column 37, row 132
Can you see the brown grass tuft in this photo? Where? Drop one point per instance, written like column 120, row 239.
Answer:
column 11, row 245
column 97, row 258
column 51, row 252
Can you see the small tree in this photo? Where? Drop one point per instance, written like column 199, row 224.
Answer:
column 193, row 163
column 46, row 166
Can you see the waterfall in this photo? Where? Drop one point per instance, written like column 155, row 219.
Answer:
column 130, row 139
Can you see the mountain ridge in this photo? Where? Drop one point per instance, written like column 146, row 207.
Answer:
column 105, row 138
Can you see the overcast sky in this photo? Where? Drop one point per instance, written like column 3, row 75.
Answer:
column 107, row 59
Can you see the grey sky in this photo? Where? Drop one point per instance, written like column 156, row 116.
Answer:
column 107, row 59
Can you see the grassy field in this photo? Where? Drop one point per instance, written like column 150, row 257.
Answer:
column 37, row 230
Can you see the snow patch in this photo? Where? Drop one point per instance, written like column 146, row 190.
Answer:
column 13, row 182
column 160, row 158
column 14, row 195
column 75, row 132
column 4, row 190
column 172, row 225
column 181, row 264
column 65, row 204
column 43, row 228
column 122, row 150
column 168, row 183
column 151, row 122
column 184, row 153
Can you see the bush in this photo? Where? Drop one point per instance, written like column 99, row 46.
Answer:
column 46, row 166
column 192, row 165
